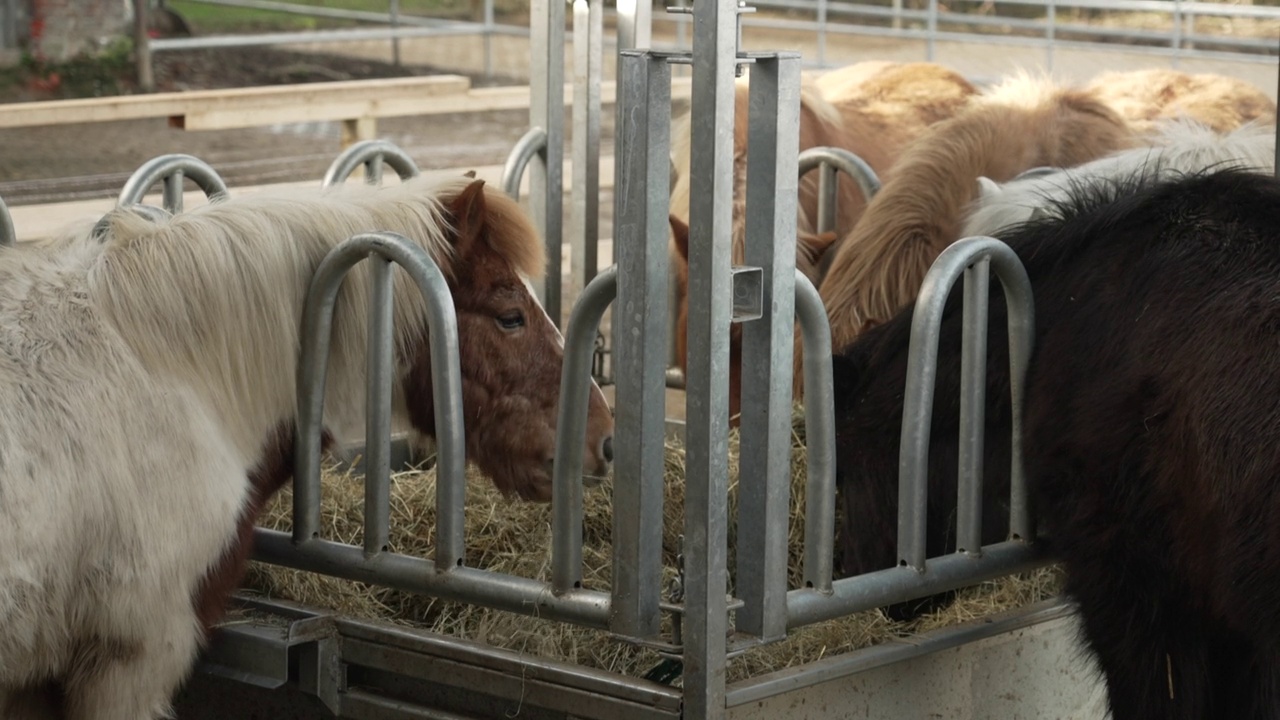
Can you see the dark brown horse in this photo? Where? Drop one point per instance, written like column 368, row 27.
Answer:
column 1152, row 436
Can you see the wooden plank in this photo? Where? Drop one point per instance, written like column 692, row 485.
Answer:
column 305, row 102
column 133, row 107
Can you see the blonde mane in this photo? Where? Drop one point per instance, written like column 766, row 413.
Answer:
column 1179, row 146
column 1021, row 123
column 215, row 295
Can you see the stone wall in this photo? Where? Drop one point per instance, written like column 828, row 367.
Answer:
column 61, row 29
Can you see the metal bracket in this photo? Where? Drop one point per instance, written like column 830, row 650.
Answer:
column 261, row 654
column 747, row 282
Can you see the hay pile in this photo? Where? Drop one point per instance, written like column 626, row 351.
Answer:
column 515, row 538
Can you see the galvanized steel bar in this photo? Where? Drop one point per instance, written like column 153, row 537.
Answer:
column 8, row 235
column 639, row 323
column 530, row 145
column 828, row 186
column 893, row 585
column 546, row 111
column 705, row 625
column 317, row 321
column 372, row 154
column 173, row 191
column 377, row 438
column 973, row 405
column 411, row 574
column 847, row 163
column 584, row 211
column 764, row 480
column 571, row 427
column 922, row 369
column 819, row 437
column 164, row 166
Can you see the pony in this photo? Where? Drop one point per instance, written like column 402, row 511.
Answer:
column 1146, row 97
column 1150, row 422
column 120, row 552
column 872, row 109
column 869, row 374
column 1020, row 124
column 1177, row 145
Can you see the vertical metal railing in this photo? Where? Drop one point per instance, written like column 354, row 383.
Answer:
column 372, row 155
column 705, row 625
column 640, row 251
column 764, row 487
column 8, row 235
column 828, row 161
column 171, row 170
column 918, row 575
column 546, row 111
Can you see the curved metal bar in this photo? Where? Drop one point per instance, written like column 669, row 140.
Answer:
column 819, row 437
column 172, row 169
column 533, row 142
column 372, row 154
column 844, row 161
column 1036, row 172
column 8, row 236
column 922, row 369
column 571, row 427
column 446, row 380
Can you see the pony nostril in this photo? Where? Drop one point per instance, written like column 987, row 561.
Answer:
column 608, row 449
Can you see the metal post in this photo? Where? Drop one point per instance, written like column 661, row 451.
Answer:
column 395, row 39
column 1052, row 13
column 973, row 403
column 377, row 437
column 639, row 316
column 584, row 218
column 546, row 110
column 571, row 424
column 488, row 39
column 822, row 32
column 764, row 483
column 932, row 30
column 819, row 435
column 715, row 26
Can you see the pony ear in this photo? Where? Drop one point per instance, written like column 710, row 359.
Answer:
column 680, row 231
column 987, row 187
column 469, row 212
column 469, row 173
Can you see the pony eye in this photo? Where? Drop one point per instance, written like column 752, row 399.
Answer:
column 511, row 320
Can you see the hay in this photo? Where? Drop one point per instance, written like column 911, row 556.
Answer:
column 515, row 538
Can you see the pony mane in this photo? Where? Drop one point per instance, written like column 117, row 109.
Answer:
column 214, row 296
column 1023, row 122
column 1179, row 145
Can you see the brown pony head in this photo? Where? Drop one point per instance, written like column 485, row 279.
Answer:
column 511, row 354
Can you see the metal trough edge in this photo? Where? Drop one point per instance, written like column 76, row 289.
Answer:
column 828, row 669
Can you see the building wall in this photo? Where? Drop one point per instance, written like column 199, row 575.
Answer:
column 62, row 29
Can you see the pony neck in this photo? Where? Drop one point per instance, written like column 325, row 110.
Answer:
column 212, row 300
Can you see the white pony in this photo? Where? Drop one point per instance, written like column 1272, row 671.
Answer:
column 143, row 378
column 1178, row 146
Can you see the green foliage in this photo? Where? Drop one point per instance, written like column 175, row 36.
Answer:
column 89, row 74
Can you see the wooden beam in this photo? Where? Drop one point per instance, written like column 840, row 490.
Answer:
column 302, row 95
column 306, row 102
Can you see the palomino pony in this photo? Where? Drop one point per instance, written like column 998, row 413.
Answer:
column 150, row 389
column 1146, row 97
column 872, row 109
column 870, row 374
column 1023, row 123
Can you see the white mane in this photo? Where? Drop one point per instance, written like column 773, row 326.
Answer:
column 1179, row 146
column 214, row 297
